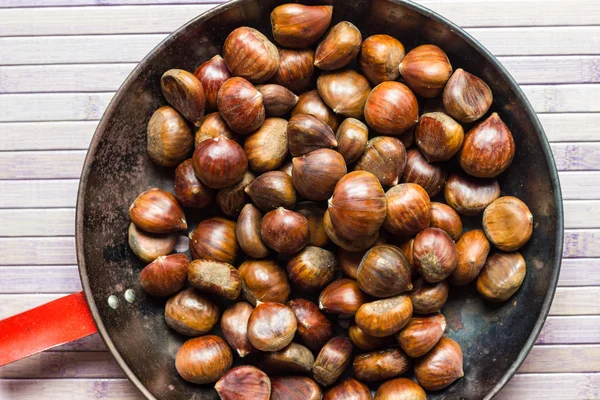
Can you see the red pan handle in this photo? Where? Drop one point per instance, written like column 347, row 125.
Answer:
column 49, row 325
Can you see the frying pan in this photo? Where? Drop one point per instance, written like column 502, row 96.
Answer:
column 495, row 338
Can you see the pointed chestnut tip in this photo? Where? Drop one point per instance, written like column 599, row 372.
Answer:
column 334, row 143
column 183, row 224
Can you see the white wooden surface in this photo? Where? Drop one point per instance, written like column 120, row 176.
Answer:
column 62, row 60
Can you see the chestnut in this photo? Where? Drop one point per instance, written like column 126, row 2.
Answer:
column 307, row 133
column 241, row 105
column 435, row 254
column 421, row 334
column 165, row 275
column 384, row 157
column 427, row 297
column 468, row 195
column 353, row 245
column 488, row 149
column 384, row 317
column 358, row 206
column 501, row 276
column 407, row 249
column 149, row 246
column 400, row 389
column 342, row 296
column 220, row 162
column 408, row 136
column 380, row 365
column 250, row 55
column 268, row 146
column 191, row 313
column 204, row 359
column 292, row 359
column 313, row 327
column 314, row 212
column 157, row 211
column 339, row 47
column 232, row 199
column 508, row 223
column 315, row 174
column 277, row 99
column 426, row 69
column 214, row 239
column 352, row 137
column 472, row 248
column 185, row 93
column 332, row 360
column 438, row 136
column 188, row 189
column 264, row 280
column 298, row 26
column 365, row 342
column 215, row 277
column 212, row 127
column 430, row 177
column 234, row 325
column 311, row 103
column 244, row 381
column 379, row 58
column 271, row 326
column 296, row 69
column 286, row 167
column 441, row 366
column 284, row 231
column 391, row 108
column 169, row 138
column 445, row 218
column 312, row 268
column 349, row 389
column 272, row 190
column 212, row 74
column 247, row 232
column 466, row 97
column 345, row 92
column 294, row 388
column 408, row 209
column 384, row 272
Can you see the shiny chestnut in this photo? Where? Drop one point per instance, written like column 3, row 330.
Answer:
column 342, row 296
column 468, row 195
column 165, row 275
column 430, row 177
column 232, row 199
column 215, row 277
column 391, row 108
column 296, row 69
column 384, row 317
column 473, row 248
column 345, row 92
column 312, row 268
column 241, row 105
column 204, row 359
column 246, row 379
column 380, row 365
column 191, row 314
column 271, row 326
column 149, row 246
column 427, row 297
column 264, row 280
column 294, row 388
column 272, row 190
column 220, row 162
column 315, row 174
column 440, row 367
column 299, row 26
column 466, row 97
column 313, row 326
column 501, row 276
column 352, row 137
column 250, row 55
column 380, row 56
column 284, row 231
column 339, row 46
column 408, row 209
column 314, row 213
column 445, row 218
column 169, row 138
column 306, row 133
column 247, row 232
column 384, row 272
column 214, row 239
column 212, row 74
column 384, row 157
column 312, row 104
column 426, row 69
column 234, row 325
column 185, row 93
column 332, row 360
column 157, row 211
column 189, row 190
column 508, row 223
column 267, row 148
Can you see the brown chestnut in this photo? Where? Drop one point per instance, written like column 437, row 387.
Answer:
column 298, row 26
column 353, row 245
column 315, row 174
column 400, row 389
column 313, row 326
column 247, row 232
column 241, row 105
column 380, row 56
column 438, row 136
column 157, row 211
column 384, row 272
column 185, row 93
column 286, row 167
column 408, row 137
column 296, row 69
column 488, row 149
column 339, row 46
column 292, row 359
column 380, row 365
column 232, row 199
column 149, row 246
column 407, row 249
column 332, row 360
column 311, row 103
column 314, row 213
column 277, row 99
column 268, row 146
column 466, row 97
column 441, row 366
column 384, row 317
column 349, row 261
column 271, row 326
column 421, row 334
column 214, row 239
column 445, row 218
column 234, row 325
column 204, row 359
column 244, row 382
column 501, row 276
column 350, row 389
column 220, row 162
column 508, row 223
column 212, row 127
column 312, row 268
column 264, row 280
column 391, row 108
column 473, row 248
column 345, row 92
column 271, row 190
column 426, row 69
column 352, row 137
column 430, row 177
column 188, row 189
column 284, row 231
column 212, row 74
column 367, row 342
column 294, row 388
column 307, row 133
column 435, row 254
column 468, row 195
column 384, row 157
column 191, row 313
column 408, row 209
column 169, row 138
column 427, row 297
column 250, row 55
column 215, row 277
column 165, row 275
column 342, row 296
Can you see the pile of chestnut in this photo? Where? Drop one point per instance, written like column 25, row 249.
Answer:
column 322, row 212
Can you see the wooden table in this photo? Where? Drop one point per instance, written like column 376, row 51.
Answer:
column 60, row 65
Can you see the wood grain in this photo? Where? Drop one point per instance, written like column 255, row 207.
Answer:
column 48, row 279
column 570, row 330
column 552, row 387
column 580, row 272
column 576, row 301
